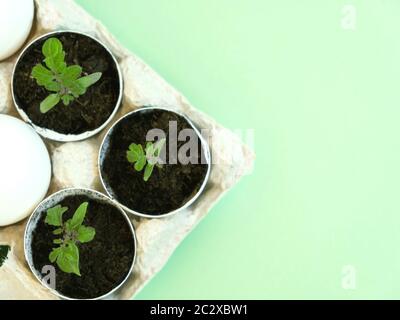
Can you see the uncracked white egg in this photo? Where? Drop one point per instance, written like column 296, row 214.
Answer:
column 25, row 170
column 16, row 17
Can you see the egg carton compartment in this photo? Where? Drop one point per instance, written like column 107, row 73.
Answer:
column 74, row 164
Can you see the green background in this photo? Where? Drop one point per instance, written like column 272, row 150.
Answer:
column 324, row 102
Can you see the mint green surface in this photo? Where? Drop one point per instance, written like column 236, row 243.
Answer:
column 325, row 104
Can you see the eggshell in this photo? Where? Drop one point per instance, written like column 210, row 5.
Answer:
column 25, row 170
column 16, row 17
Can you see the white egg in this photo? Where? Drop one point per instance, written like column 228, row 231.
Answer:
column 16, row 17
column 25, row 170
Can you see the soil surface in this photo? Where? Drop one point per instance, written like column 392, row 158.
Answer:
column 90, row 110
column 104, row 262
column 169, row 187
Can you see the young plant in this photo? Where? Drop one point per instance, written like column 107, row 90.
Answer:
column 64, row 81
column 147, row 158
column 71, row 233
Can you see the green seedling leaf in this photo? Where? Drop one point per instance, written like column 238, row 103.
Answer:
column 79, row 216
column 50, row 102
column 63, row 80
column 54, row 55
column 90, row 80
column 149, row 148
column 148, row 171
column 52, row 47
column 75, row 88
column 56, row 64
column 53, row 86
column 58, row 231
column 140, row 163
column 134, row 153
column 54, row 216
column 72, row 73
column 67, row 225
column 67, row 99
column 54, row 254
column 86, row 234
column 145, row 159
column 68, row 258
column 57, row 241
column 42, row 75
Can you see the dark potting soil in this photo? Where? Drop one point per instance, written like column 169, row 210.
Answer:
column 104, row 262
column 90, row 110
column 168, row 188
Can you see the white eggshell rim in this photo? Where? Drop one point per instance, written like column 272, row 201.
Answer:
column 54, row 135
column 207, row 155
column 48, row 203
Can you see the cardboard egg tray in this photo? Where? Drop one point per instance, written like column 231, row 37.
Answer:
column 74, row 164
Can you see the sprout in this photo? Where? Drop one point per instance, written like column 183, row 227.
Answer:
column 66, row 255
column 147, row 158
column 64, row 81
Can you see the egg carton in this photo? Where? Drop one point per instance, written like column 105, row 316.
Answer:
column 74, row 164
